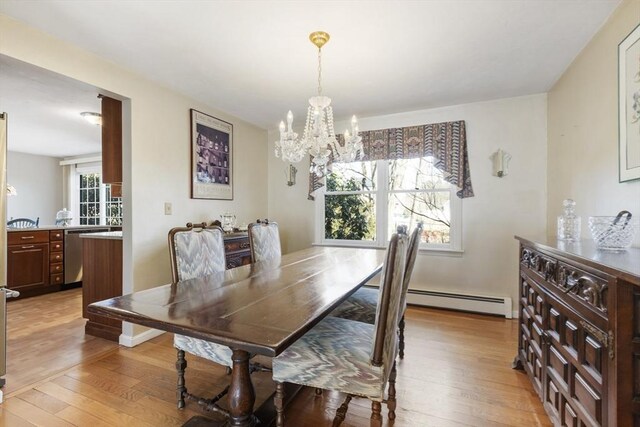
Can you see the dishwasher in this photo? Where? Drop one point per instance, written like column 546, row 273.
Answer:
column 73, row 253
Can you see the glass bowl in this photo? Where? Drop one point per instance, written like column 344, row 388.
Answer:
column 609, row 235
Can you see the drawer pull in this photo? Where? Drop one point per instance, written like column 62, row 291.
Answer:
column 605, row 338
column 28, row 247
column 27, row 237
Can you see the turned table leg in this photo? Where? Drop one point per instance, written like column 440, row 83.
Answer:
column 241, row 393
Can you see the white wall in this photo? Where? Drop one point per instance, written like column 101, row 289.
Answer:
column 583, row 129
column 38, row 181
column 502, row 207
column 156, row 153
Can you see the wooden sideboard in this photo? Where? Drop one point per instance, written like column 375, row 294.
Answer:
column 237, row 250
column 579, row 331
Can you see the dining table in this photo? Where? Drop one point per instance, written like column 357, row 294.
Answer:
column 257, row 309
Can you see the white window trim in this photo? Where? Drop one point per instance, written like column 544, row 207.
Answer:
column 454, row 248
column 86, row 169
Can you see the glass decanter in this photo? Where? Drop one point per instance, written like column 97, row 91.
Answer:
column 569, row 222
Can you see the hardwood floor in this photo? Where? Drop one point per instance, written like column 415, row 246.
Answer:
column 456, row 372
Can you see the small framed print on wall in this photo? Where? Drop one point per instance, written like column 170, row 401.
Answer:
column 211, row 157
column 629, row 106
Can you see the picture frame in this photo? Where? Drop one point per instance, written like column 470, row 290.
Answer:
column 629, row 106
column 211, row 157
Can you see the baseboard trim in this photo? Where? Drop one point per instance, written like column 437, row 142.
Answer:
column 132, row 341
column 500, row 306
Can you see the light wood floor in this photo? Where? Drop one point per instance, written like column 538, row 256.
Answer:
column 456, row 372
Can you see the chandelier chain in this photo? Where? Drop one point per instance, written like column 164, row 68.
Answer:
column 319, row 71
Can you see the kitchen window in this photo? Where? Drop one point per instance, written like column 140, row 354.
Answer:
column 96, row 206
column 362, row 203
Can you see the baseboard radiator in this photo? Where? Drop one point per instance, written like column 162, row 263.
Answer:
column 479, row 304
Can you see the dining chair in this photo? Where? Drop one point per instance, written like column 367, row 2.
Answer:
column 264, row 240
column 351, row 357
column 361, row 306
column 197, row 250
column 23, row 223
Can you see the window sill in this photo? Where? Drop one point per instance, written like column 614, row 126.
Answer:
column 454, row 253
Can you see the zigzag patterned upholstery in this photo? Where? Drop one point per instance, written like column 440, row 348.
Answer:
column 334, row 355
column 264, row 239
column 352, row 357
column 361, row 306
column 196, row 251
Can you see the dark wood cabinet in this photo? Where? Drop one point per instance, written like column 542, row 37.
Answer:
column 579, row 331
column 28, row 266
column 35, row 261
column 236, row 249
column 112, row 143
column 102, row 279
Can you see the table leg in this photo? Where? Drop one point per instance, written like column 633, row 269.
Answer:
column 241, row 393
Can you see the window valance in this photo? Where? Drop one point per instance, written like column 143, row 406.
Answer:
column 445, row 142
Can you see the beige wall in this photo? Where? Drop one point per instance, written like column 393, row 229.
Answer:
column 156, row 156
column 38, row 180
column 501, row 208
column 583, row 129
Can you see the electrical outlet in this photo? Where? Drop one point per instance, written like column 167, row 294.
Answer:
column 167, row 208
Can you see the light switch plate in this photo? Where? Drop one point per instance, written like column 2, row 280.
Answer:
column 168, row 210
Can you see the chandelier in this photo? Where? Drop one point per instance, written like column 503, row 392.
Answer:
column 319, row 139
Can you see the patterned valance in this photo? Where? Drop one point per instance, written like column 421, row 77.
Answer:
column 445, row 142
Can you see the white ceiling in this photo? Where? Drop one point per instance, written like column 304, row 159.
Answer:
column 44, row 111
column 253, row 59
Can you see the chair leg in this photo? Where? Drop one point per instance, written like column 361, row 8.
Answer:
column 391, row 402
column 401, row 341
column 278, row 401
column 341, row 413
column 181, row 391
column 376, row 414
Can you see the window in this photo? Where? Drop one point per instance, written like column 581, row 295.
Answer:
column 95, row 204
column 362, row 204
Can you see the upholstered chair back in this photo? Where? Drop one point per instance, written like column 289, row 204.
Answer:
column 412, row 253
column 196, row 251
column 264, row 239
column 389, row 299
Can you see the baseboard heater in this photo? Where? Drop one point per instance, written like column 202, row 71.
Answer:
column 480, row 304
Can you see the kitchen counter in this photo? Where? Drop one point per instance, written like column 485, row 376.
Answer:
column 111, row 235
column 57, row 227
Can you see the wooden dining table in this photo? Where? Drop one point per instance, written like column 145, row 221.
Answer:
column 261, row 308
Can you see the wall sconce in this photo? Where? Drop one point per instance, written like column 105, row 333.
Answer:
column 290, row 174
column 500, row 161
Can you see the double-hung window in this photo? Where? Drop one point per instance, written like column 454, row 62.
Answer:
column 362, row 204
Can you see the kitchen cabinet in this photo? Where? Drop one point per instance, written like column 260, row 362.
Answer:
column 28, row 260
column 112, row 143
column 102, row 279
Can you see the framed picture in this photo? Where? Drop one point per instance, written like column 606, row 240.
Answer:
column 629, row 106
column 211, row 157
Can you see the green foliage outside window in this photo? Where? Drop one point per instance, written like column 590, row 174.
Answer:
column 348, row 216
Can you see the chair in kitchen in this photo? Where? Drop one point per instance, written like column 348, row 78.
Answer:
column 264, row 240
column 351, row 357
column 23, row 223
column 361, row 306
column 196, row 251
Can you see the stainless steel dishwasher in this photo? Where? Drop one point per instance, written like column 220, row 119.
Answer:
column 73, row 253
